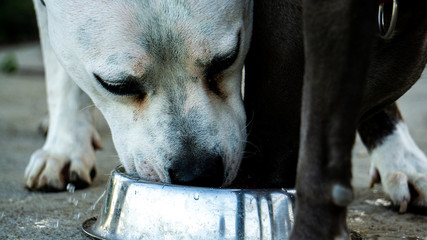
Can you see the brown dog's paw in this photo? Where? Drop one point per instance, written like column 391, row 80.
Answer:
column 402, row 168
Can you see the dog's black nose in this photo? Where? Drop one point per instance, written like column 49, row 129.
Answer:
column 205, row 172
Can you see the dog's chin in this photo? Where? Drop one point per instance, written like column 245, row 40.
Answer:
column 159, row 170
column 155, row 175
column 145, row 172
column 152, row 174
column 148, row 177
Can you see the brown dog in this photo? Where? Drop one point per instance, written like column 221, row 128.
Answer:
column 352, row 77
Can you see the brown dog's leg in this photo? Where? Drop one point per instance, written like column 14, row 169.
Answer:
column 395, row 159
column 337, row 36
column 373, row 130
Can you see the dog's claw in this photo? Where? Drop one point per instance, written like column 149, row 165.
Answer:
column 402, row 167
column 396, row 186
column 403, row 206
column 92, row 173
column 96, row 141
column 48, row 172
column 44, row 126
column 418, row 190
column 375, row 176
column 80, row 181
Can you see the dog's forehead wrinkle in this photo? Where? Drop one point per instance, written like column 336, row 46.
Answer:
column 165, row 46
column 158, row 37
column 175, row 10
column 169, row 31
column 179, row 27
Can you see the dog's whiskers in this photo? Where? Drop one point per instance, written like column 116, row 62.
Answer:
column 88, row 106
column 248, row 124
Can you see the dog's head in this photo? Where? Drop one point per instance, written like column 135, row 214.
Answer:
column 167, row 77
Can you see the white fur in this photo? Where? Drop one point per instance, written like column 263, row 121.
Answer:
column 80, row 38
column 71, row 135
column 398, row 161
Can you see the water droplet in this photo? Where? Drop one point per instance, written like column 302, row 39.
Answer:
column 57, row 224
column 196, row 196
column 75, row 202
column 84, row 195
column 96, row 202
column 71, row 188
column 78, row 216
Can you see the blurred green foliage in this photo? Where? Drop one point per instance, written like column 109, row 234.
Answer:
column 9, row 63
column 17, row 21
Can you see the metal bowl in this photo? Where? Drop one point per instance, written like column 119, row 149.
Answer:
column 136, row 209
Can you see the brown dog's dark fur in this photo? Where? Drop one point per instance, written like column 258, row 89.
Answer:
column 350, row 74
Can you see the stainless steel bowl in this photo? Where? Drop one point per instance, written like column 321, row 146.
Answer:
column 135, row 209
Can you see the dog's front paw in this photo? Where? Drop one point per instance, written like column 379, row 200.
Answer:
column 52, row 172
column 402, row 168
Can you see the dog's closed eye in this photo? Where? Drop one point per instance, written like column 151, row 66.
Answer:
column 218, row 65
column 129, row 86
column 222, row 62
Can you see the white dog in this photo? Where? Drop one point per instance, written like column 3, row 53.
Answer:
column 165, row 74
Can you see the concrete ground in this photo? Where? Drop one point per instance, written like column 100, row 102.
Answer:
column 32, row 215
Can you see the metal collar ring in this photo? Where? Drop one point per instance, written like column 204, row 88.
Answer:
column 387, row 34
